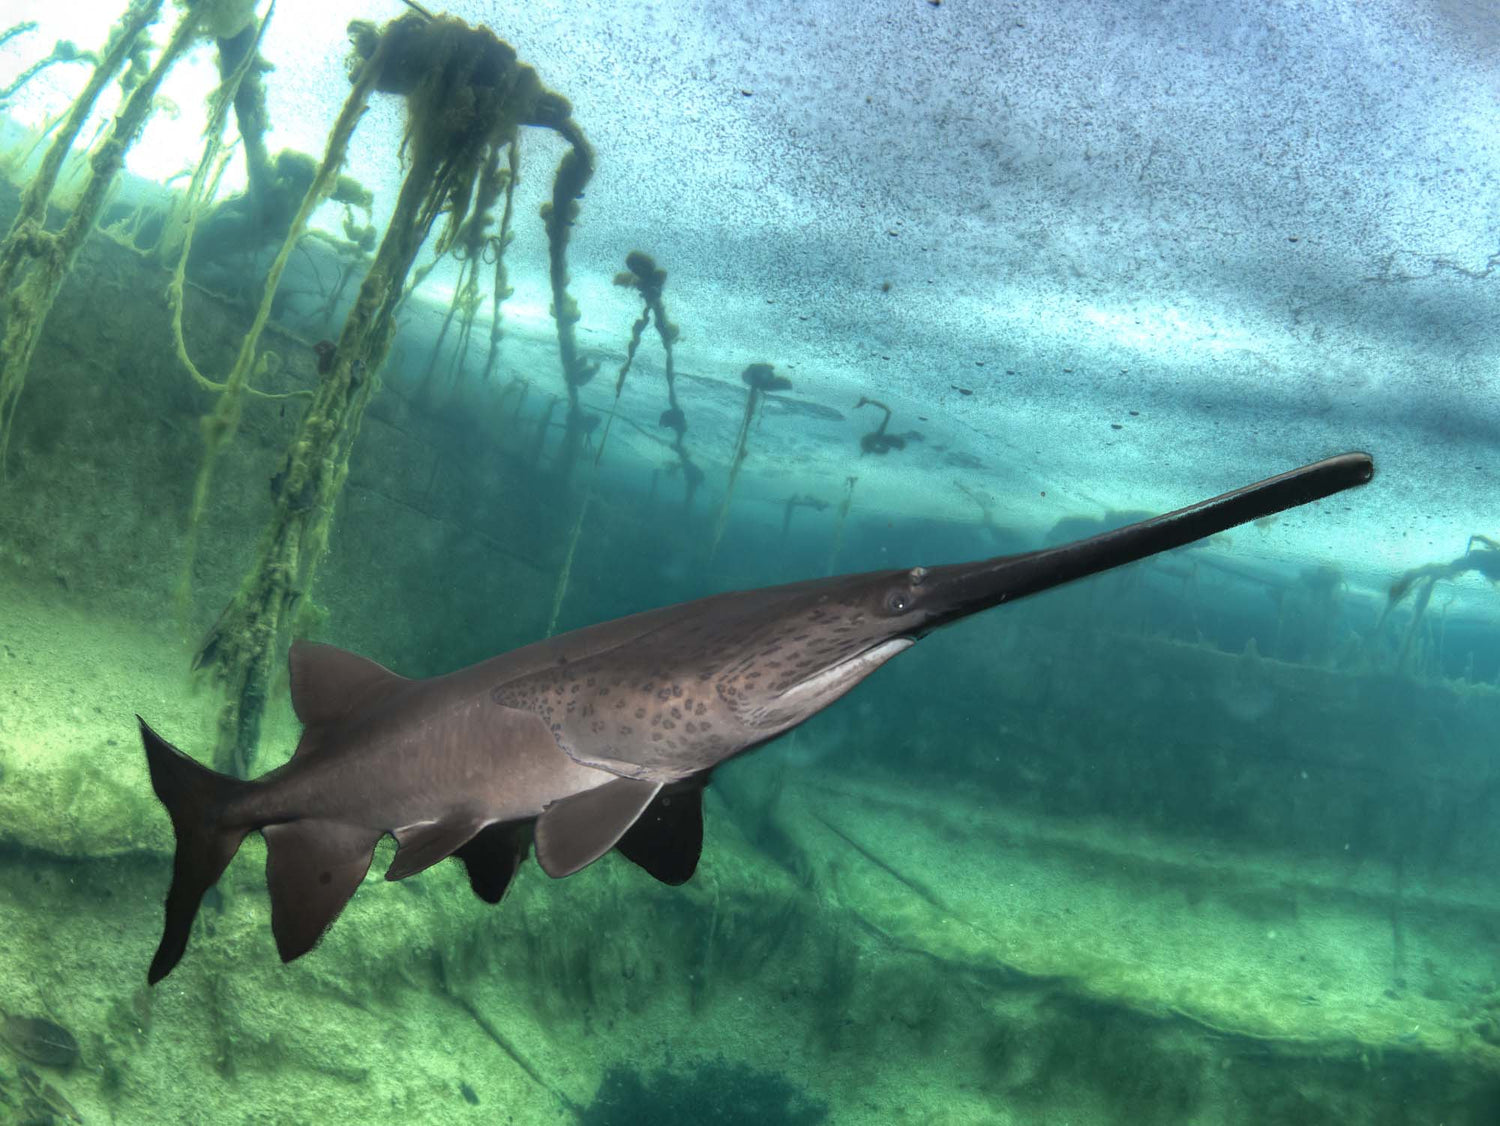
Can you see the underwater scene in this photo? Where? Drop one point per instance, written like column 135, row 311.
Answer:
column 474, row 480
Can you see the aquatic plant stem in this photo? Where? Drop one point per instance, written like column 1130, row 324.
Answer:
column 32, row 213
column 838, row 527
column 741, row 451
column 465, row 270
column 16, row 29
column 220, row 424
column 565, row 573
column 182, row 218
column 573, row 174
column 15, row 162
column 63, row 52
column 500, row 288
column 34, row 261
column 242, row 646
column 457, row 112
column 644, row 276
column 721, row 522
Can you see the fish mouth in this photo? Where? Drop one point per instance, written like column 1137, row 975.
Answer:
column 830, row 683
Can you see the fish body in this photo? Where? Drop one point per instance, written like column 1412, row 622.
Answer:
column 597, row 739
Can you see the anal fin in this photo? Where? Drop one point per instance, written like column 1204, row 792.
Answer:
column 422, row 846
column 312, row 868
column 573, row 833
column 493, row 856
column 668, row 838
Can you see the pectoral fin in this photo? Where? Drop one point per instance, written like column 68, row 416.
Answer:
column 493, row 856
column 573, row 833
column 667, row 839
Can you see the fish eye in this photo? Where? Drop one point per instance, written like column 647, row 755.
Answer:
column 897, row 602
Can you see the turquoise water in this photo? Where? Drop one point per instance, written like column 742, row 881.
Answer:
column 1209, row 838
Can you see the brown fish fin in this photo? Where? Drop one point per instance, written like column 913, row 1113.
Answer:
column 195, row 797
column 423, row 845
column 329, row 685
column 668, row 838
column 573, row 833
column 493, row 856
column 312, row 868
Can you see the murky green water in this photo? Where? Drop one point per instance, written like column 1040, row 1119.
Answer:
column 468, row 331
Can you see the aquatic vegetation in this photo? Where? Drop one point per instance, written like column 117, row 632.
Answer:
column 62, row 51
column 838, row 524
column 642, row 274
column 466, row 95
column 16, row 29
column 761, row 379
column 1423, row 579
column 559, row 214
column 543, row 424
column 473, row 248
column 795, row 502
column 878, row 441
column 716, row 1091
column 232, row 234
column 262, row 215
column 45, row 1043
column 34, row 261
column 500, row 287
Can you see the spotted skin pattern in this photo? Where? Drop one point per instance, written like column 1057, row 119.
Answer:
column 688, row 696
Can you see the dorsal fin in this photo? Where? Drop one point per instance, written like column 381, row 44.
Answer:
column 329, row 684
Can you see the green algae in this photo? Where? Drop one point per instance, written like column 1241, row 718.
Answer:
column 642, row 274
column 466, row 96
column 34, row 262
column 760, row 379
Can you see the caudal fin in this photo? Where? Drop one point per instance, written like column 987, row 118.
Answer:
column 195, row 797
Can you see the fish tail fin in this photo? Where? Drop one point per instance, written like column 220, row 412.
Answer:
column 195, row 797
